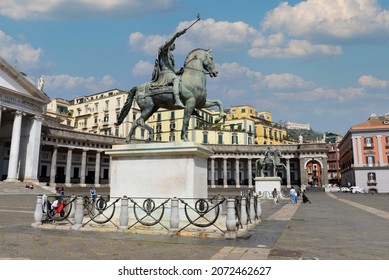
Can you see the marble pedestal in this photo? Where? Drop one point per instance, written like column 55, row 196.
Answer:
column 266, row 185
column 160, row 170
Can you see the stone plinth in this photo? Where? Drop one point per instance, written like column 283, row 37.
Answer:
column 266, row 185
column 160, row 170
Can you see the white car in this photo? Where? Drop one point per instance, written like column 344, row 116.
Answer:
column 345, row 189
column 358, row 190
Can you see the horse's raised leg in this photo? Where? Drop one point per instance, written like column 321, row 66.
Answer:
column 189, row 107
column 211, row 103
column 145, row 115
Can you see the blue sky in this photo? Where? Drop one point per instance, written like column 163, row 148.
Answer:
column 316, row 61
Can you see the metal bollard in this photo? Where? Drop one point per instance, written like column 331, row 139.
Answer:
column 123, row 218
column 259, row 209
column 174, row 216
column 38, row 214
column 73, row 210
column 243, row 213
column 79, row 215
column 230, row 220
column 252, row 209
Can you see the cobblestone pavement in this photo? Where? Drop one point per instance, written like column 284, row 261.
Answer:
column 329, row 228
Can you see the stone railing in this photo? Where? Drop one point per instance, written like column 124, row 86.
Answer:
column 211, row 217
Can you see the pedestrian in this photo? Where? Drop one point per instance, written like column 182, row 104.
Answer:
column 62, row 192
column 275, row 196
column 292, row 194
column 93, row 193
column 305, row 198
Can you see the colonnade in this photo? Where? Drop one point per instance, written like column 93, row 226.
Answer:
column 25, row 145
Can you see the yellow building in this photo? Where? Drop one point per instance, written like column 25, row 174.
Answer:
column 266, row 131
column 167, row 125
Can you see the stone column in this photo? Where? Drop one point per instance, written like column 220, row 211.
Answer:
column 15, row 146
column 97, row 169
column 33, row 149
column 83, row 168
column 1, row 110
column 324, row 173
column 288, row 184
column 380, row 153
column 250, row 172
column 303, row 171
column 213, row 172
column 53, row 169
column 360, row 155
column 237, row 179
column 225, row 173
column 69, row 167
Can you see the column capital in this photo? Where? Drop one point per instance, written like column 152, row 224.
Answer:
column 19, row 113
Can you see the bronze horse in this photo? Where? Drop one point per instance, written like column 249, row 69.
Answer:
column 193, row 94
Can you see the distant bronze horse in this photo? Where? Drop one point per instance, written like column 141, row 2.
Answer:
column 272, row 161
column 193, row 94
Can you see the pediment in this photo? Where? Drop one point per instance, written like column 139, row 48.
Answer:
column 15, row 83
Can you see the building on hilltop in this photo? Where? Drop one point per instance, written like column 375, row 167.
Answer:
column 297, row 126
column 364, row 155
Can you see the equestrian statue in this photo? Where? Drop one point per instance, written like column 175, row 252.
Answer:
column 271, row 162
column 170, row 89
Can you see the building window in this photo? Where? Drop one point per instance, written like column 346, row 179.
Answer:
column 116, row 131
column 159, row 127
column 96, row 107
column 117, row 102
column 371, row 179
column 368, row 142
column 205, row 137
column 234, row 138
column 107, row 105
column 220, row 138
column 172, row 126
column 159, row 118
column 172, row 115
column 106, row 118
column 370, row 159
column 243, row 110
column 265, row 132
column 250, row 141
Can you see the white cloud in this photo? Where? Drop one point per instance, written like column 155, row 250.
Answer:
column 287, row 80
column 293, row 48
column 341, row 19
column 143, row 68
column 55, row 83
column 24, row 55
column 372, row 82
column 323, row 94
column 54, row 9
column 208, row 33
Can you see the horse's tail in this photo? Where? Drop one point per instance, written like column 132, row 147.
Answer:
column 127, row 106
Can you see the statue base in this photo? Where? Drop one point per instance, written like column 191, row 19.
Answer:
column 266, row 185
column 159, row 170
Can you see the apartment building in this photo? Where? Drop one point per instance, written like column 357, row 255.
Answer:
column 167, row 125
column 266, row 131
column 97, row 113
column 364, row 155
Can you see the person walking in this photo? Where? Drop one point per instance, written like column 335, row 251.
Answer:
column 275, row 196
column 292, row 194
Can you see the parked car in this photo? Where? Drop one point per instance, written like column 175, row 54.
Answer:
column 344, row 190
column 358, row 190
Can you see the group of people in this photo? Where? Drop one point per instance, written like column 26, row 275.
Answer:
column 293, row 194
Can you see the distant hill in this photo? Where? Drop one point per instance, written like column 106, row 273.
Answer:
column 308, row 135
